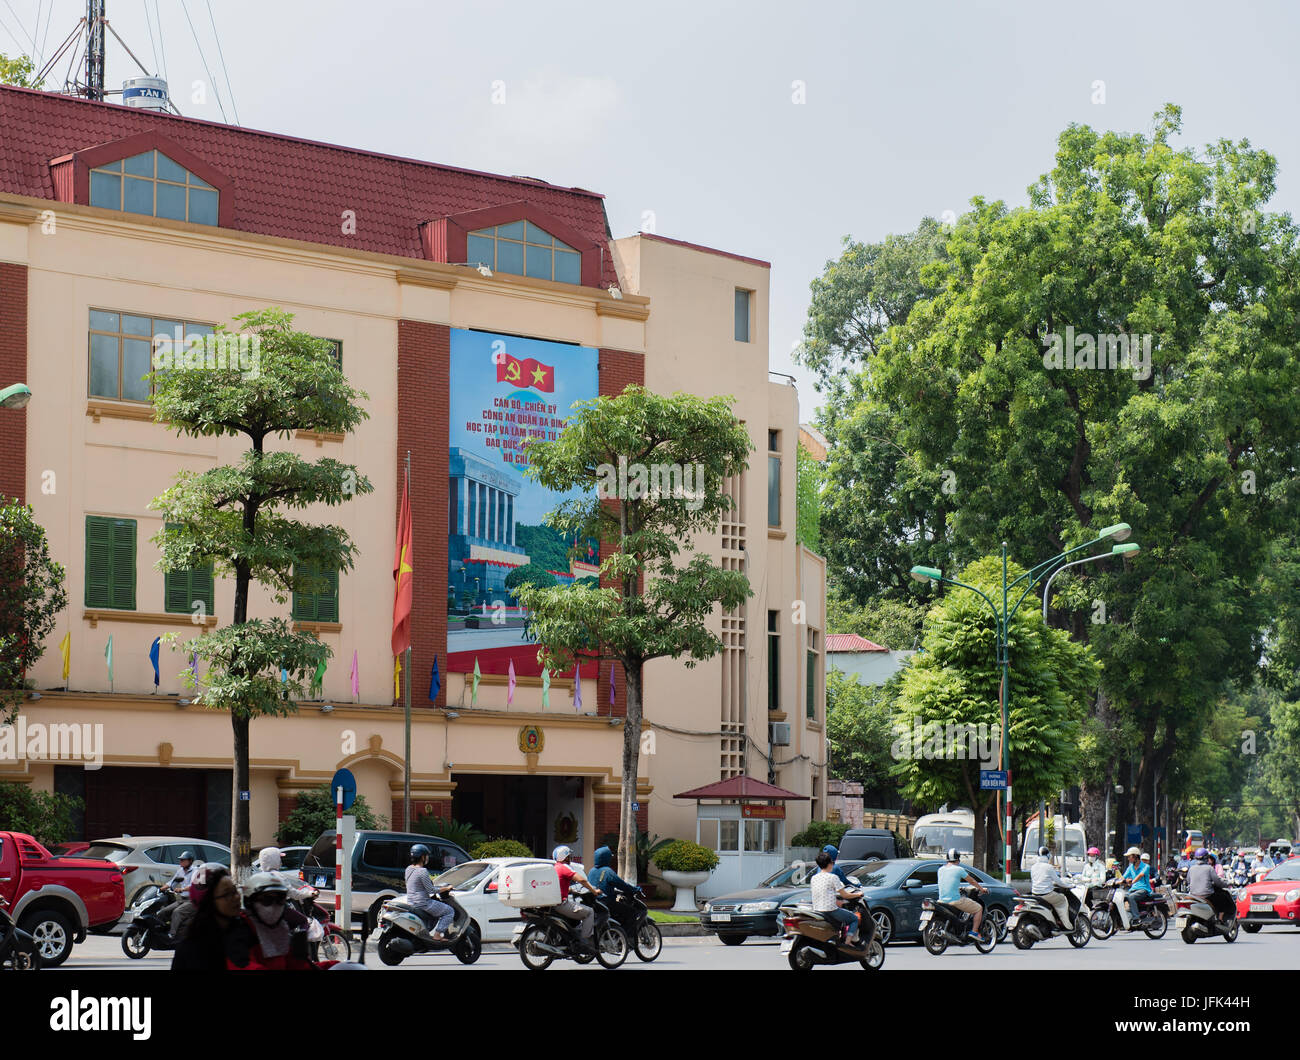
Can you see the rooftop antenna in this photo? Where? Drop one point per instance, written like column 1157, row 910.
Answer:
column 95, row 50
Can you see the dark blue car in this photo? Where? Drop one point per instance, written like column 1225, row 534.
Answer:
column 894, row 890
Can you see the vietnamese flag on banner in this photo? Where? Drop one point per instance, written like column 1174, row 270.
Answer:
column 402, row 575
column 529, row 372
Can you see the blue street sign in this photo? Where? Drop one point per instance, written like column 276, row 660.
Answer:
column 245, row 796
column 993, row 780
column 636, row 806
column 345, row 780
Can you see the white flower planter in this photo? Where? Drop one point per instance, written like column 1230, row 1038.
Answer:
column 685, row 882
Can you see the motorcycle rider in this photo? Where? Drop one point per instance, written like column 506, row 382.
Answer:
column 184, row 874
column 608, row 882
column 1136, row 880
column 1094, row 872
column 834, row 852
column 263, row 937
column 1045, row 879
column 826, row 891
column 1203, row 883
column 421, row 893
column 951, row 877
column 571, row 908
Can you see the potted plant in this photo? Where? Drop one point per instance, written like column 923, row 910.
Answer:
column 685, row 865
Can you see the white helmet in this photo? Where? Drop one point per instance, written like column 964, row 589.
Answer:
column 1132, row 850
column 561, row 853
column 1146, row 857
column 270, row 859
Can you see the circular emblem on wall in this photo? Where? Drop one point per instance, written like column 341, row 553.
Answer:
column 531, row 740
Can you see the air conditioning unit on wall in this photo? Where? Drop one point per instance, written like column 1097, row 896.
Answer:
column 780, row 734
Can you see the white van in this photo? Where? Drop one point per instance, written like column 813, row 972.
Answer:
column 936, row 833
column 1076, row 845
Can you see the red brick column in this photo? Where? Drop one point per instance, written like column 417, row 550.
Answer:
column 607, row 817
column 287, row 803
column 618, row 370
column 423, row 409
column 13, row 369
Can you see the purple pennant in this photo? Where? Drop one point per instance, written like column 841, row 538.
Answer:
column 611, row 684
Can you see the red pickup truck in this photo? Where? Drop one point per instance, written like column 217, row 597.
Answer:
column 57, row 900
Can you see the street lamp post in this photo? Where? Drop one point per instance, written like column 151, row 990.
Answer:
column 1002, row 619
column 15, row 397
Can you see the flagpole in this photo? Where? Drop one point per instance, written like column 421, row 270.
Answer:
column 406, row 758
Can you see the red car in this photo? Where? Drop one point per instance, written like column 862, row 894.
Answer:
column 1273, row 900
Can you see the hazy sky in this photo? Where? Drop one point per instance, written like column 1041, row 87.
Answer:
column 686, row 111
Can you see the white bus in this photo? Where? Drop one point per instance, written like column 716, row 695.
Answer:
column 1076, row 845
column 936, row 833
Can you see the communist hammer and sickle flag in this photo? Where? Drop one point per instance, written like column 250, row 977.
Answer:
column 529, row 372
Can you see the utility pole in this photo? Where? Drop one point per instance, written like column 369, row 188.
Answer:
column 95, row 50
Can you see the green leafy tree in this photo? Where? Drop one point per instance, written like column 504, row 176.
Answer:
column 960, row 431
column 955, row 682
column 314, row 813
column 860, row 729
column 18, row 71
column 31, row 597
column 529, row 574
column 808, row 500
column 44, row 815
column 893, row 624
column 237, row 516
column 1282, row 765
column 650, row 606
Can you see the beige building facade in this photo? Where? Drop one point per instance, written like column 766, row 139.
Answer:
column 82, row 283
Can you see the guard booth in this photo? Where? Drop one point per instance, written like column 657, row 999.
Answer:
column 743, row 821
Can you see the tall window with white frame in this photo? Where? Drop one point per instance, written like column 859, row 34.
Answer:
column 774, row 660
column 773, row 478
column 744, row 306
column 810, row 690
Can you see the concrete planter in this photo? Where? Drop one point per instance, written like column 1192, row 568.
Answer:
column 685, row 882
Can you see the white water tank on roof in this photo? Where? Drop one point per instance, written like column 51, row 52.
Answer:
column 147, row 93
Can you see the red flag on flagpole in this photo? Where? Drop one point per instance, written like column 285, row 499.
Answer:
column 402, row 576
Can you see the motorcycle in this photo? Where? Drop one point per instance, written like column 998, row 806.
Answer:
column 1113, row 915
column 1197, row 919
column 334, row 945
column 942, row 925
column 813, row 938
column 545, row 935
column 150, row 926
column 1034, row 920
column 404, row 932
column 633, row 916
column 18, row 950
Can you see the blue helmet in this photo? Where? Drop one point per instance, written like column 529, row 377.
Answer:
column 832, row 850
column 1201, row 854
column 418, row 851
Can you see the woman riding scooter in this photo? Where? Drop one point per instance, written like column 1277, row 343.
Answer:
column 421, row 892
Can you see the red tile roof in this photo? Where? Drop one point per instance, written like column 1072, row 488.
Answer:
column 740, row 788
column 285, row 186
column 850, row 642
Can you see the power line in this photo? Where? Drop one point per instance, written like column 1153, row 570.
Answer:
column 162, row 46
column 45, row 38
column 152, row 45
column 22, row 27
column 217, row 37
column 211, row 80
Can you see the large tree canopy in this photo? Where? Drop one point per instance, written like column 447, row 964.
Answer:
column 962, row 427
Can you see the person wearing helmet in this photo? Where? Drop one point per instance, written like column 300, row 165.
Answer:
column 834, row 852
column 571, row 908
column 268, row 936
column 826, row 893
column 608, row 882
column 422, row 893
column 1205, row 884
column 1137, row 880
column 181, row 878
column 1094, row 872
column 951, row 877
column 1044, row 883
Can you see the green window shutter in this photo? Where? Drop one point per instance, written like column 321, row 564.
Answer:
column 304, row 604
column 327, row 603
column 812, row 684
column 123, row 594
column 99, row 562
column 176, row 592
column 201, row 588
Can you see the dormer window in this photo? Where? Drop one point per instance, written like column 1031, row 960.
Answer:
column 522, row 249
column 152, row 184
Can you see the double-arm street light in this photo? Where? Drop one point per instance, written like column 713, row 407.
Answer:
column 1002, row 618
